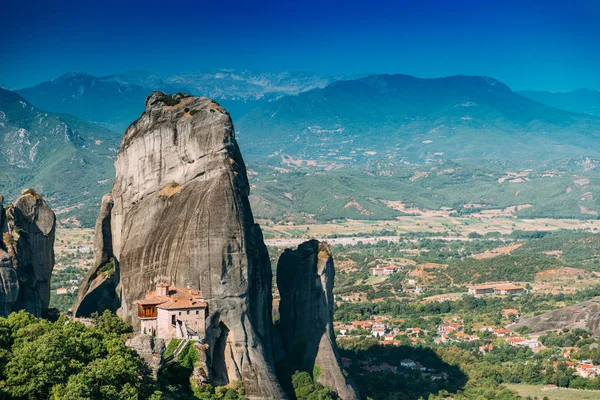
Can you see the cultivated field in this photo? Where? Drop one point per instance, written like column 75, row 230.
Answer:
column 556, row 394
column 435, row 223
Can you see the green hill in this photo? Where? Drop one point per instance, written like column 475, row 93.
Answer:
column 67, row 160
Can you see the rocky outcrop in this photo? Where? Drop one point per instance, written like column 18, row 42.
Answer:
column 9, row 284
column 27, row 255
column 585, row 315
column 150, row 349
column 305, row 278
column 98, row 289
column 181, row 215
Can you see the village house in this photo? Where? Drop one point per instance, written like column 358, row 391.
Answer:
column 502, row 332
column 407, row 362
column 61, row 290
column 481, row 289
column 463, row 337
column 586, row 370
column 509, row 289
column 416, row 331
column 383, row 269
column 363, row 324
column 522, row 342
column 486, row 348
column 501, row 288
column 354, row 297
column 173, row 312
column 420, row 289
column 441, row 375
column 506, row 313
column 447, row 328
column 345, row 329
column 379, row 330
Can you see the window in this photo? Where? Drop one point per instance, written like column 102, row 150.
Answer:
column 173, row 319
column 197, row 312
column 188, row 312
column 179, row 312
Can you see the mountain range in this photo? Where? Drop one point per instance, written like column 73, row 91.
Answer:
column 67, row 159
column 401, row 118
column 584, row 101
column 306, row 124
column 114, row 101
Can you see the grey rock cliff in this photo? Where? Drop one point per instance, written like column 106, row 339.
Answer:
column 181, row 215
column 585, row 315
column 9, row 284
column 98, row 289
column 27, row 255
column 305, row 278
column 150, row 349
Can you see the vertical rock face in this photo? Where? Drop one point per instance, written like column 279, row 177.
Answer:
column 98, row 290
column 26, row 255
column 9, row 284
column 181, row 215
column 305, row 278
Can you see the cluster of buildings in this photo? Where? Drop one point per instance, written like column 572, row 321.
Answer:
column 505, row 289
column 379, row 327
column 407, row 363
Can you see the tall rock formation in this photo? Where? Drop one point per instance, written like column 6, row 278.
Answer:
column 181, row 215
column 98, row 289
column 26, row 255
column 305, row 278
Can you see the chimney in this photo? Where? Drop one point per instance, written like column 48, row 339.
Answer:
column 162, row 289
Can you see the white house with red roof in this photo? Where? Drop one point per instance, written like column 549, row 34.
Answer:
column 173, row 312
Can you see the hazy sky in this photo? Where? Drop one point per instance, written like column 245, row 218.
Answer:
column 528, row 44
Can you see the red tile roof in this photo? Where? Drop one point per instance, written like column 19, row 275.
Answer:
column 177, row 298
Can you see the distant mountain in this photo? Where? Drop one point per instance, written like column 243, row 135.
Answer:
column 401, row 118
column 583, row 101
column 235, row 84
column 67, row 160
column 115, row 101
column 110, row 101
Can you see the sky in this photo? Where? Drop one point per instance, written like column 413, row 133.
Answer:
column 528, row 44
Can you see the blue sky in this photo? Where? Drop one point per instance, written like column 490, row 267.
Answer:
column 528, row 44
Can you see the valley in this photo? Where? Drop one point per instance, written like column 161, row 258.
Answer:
column 451, row 215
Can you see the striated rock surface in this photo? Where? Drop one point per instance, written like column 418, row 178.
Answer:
column 9, row 284
column 27, row 255
column 585, row 315
column 150, row 349
column 98, row 289
column 181, row 215
column 305, row 278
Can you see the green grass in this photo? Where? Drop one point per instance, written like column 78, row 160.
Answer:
column 171, row 347
column 558, row 394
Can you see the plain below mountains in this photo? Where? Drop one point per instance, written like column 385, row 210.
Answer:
column 401, row 118
column 68, row 160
